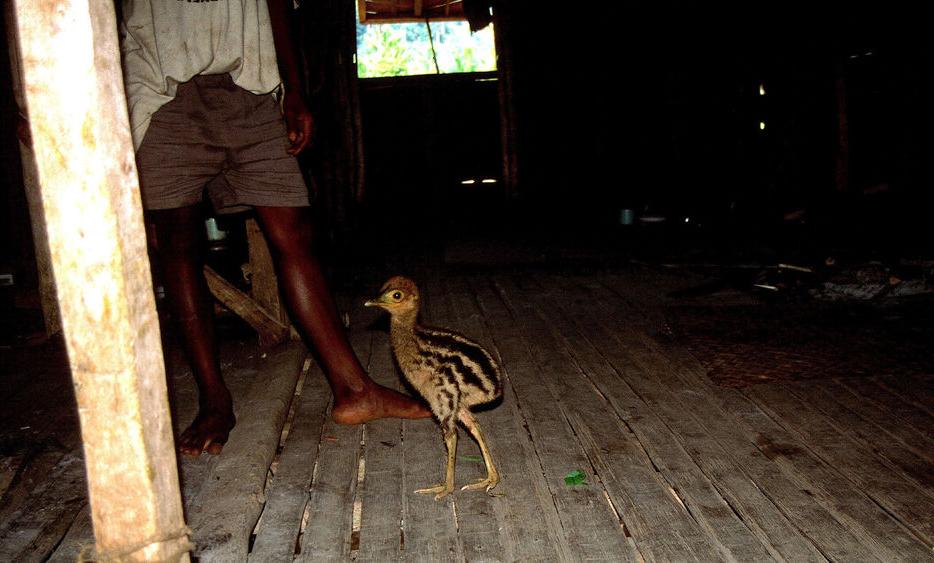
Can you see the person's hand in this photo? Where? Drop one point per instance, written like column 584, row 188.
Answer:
column 298, row 121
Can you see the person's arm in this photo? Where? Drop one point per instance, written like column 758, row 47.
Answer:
column 298, row 119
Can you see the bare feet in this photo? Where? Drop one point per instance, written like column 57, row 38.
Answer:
column 376, row 401
column 207, row 433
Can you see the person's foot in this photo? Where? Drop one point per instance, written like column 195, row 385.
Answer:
column 375, row 402
column 207, row 433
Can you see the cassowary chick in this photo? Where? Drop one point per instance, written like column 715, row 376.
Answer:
column 451, row 372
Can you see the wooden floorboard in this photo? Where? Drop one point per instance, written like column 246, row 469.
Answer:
column 519, row 519
column 880, row 534
column 381, row 534
column 328, row 530
column 480, row 522
column 676, row 467
column 238, row 358
column 429, row 526
column 37, row 527
column 31, row 474
column 709, row 521
column 223, row 515
column 78, row 540
column 872, row 435
column 917, row 389
column 910, row 504
column 915, row 416
column 287, row 493
column 841, row 521
column 592, row 529
column 658, row 523
column 647, row 390
column 873, row 423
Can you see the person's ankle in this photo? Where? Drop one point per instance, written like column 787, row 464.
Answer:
column 221, row 403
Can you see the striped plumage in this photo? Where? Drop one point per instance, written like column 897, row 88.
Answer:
column 451, row 372
column 457, row 370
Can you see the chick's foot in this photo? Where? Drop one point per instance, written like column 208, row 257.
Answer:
column 486, row 483
column 441, row 489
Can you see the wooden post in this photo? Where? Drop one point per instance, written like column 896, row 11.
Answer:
column 504, row 18
column 270, row 330
column 842, row 155
column 51, row 319
column 329, row 42
column 264, row 282
column 87, row 174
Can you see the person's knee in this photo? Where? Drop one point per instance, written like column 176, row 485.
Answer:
column 289, row 234
column 176, row 232
column 178, row 244
column 295, row 243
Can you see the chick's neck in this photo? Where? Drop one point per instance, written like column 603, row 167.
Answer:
column 402, row 332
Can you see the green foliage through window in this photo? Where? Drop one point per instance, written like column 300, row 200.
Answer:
column 403, row 49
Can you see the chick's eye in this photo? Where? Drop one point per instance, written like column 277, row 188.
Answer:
column 397, row 295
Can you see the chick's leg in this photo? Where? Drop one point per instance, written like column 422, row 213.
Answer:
column 492, row 475
column 446, row 488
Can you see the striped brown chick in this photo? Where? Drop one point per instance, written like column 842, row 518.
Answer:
column 451, row 372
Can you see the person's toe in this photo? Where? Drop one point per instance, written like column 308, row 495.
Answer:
column 207, row 433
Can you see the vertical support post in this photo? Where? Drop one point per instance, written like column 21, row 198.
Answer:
column 504, row 17
column 265, row 284
column 842, row 155
column 90, row 195
column 51, row 319
column 329, row 26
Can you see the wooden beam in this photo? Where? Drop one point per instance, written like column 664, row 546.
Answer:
column 51, row 320
column 361, row 10
column 90, row 195
column 504, row 18
column 376, row 19
column 264, row 284
column 842, row 154
column 409, row 11
column 271, row 331
column 230, row 501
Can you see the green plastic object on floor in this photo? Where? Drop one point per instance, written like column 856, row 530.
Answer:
column 576, row 477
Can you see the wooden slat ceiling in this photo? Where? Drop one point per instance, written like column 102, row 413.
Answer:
column 399, row 11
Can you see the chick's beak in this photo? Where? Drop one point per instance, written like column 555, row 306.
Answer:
column 374, row 302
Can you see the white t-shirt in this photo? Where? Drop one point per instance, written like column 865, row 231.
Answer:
column 167, row 42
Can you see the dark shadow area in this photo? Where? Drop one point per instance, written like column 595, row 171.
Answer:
column 749, row 344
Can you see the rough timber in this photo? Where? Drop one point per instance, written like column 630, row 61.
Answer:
column 676, row 467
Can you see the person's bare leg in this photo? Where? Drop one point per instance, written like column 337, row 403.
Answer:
column 356, row 397
column 180, row 251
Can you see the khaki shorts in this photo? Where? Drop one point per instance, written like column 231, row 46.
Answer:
column 217, row 136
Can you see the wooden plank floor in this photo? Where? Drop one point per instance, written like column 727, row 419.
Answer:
column 675, row 466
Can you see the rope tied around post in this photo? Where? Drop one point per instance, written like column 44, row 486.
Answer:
column 126, row 554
